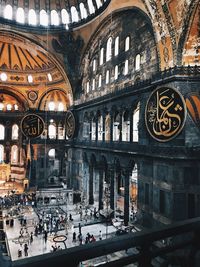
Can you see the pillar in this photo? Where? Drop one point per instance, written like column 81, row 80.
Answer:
column 91, row 193
column 131, row 126
column 126, row 196
column 120, row 127
column 101, row 171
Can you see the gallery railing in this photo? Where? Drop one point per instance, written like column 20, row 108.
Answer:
column 178, row 243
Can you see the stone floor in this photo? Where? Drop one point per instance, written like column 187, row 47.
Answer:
column 39, row 246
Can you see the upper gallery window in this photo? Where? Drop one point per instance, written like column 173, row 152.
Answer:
column 8, row 12
column 109, row 49
column 44, row 18
column 32, row 17
column 107, row 76
column 14, row 154
column 1, row 106
column 94, row 65
column 64, row 16
column 116, row 45
column 20, row 15
column 91, row 6
column 127, row 43
column 49, row 77
column 15, row 132
column 54, row 17
column 30, row 78
column 83, row 11
column 52, row 130
column 51, row 106
column 126, row 67
column 2, row 132
column 93, row 84
column 100, row 80
column 137, row 62
column 87, row 87
column 60, row 106
column 74, row 14
column 101, row 56
column 9, row 107
column 116, row 72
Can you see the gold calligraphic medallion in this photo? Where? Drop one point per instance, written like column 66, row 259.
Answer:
column 32, row 125
column 165, row 114
column 70, row 124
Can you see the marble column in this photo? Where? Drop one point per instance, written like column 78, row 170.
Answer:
column 126, row 196
column 101, row 171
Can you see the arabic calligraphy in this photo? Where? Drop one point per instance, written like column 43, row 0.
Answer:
column 70, row 124
column 32, row 125
column 165, row 114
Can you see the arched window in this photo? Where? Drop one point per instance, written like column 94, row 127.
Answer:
column 1, row 153
column 126, row 67
column 8, row 12
column 116, row 45
column 44, row 19
column 100, row 128
column 74, row 14
column 99, row 4
column 61, row 131
column 54, row 17
column 83, row 11
column 135, row 124
column 109, row 49
column 64, row 16
column 15, row 132
column 51, row 106
column 2, row 132
column 91, row 7
column 116, row 127
column 116, row 72
column 94, row 65
column 52, row 153
column 20, row 15
column 107, row 128
column 1, row 106
column 32, row 17
column 127, row 43
column 52, row 130
column 126, row 127
column 101, row 56
column 16, row 107
column 60, row 106
column 93, row 128
column 14, row 154
column 87, row 87
column 137, row 62
column 107, row 76
column 93, row 84
column 9, row 107
column 100, row 80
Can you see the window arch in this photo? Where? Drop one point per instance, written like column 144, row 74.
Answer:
column 100, row 80
column 93, row 130
column 127, row 43
column 74, row 14
column 126, row 126
column 14, row 154
column 99, row 4
column 136, row 114
column 51, row 106
column 32, row 17
column 93, row 84
column 91, row 7
column 100, row 128
column 87, row 87
column 20, row 15
column 8, row 12
column 94, row 65
column 116, row 127
column 126, row 67
column 61, row 131
column 83, row 11
column 54, row 18
column 2, row 132
column 101, row 56
column 60, row 106
column 44, row 19
column 116, row 72
column 107, row 127
column 64, row 16
column 116, row 45
column 52, row 130
column 15, row 132
column 1, row 153
column 137, row 62
column 109, row 49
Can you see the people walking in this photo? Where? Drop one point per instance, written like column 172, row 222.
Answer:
column 26, row 250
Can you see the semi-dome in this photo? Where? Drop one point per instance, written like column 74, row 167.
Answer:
column 60, row 13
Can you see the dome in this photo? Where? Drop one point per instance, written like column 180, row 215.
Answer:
column 60, row 13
